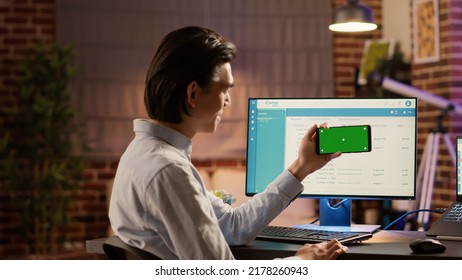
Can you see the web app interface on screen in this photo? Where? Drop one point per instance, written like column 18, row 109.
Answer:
column 459, row 161
column 276, row 127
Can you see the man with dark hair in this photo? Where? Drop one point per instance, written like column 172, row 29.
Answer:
column 159, row 202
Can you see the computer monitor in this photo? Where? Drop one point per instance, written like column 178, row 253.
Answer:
column 388, row 171
column 459, row 163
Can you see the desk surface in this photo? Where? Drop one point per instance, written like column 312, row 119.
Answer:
column 383, row 245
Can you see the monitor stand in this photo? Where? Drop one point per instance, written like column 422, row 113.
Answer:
column 338, row 218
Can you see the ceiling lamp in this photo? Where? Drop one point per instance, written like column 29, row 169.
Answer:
column 353, row 17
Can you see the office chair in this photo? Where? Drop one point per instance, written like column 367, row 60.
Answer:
column 115, row 249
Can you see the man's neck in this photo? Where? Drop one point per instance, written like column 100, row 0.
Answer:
column 182, row 127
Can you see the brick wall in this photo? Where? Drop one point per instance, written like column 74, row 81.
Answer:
column 348, row 50
column 21, row 23
column 442, row 78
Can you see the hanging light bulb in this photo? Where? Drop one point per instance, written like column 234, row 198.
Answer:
column 353, row 17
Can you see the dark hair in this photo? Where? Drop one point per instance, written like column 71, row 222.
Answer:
column 184, row 55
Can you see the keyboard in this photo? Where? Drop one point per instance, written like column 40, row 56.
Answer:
column 454, row 214
column 301, row 235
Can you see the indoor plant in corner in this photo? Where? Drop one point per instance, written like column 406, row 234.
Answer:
column 39, row 163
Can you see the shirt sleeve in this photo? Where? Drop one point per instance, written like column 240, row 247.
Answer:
column 241, row 225
column 178, row 200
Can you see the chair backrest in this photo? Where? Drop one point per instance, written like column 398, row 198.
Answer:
column 115, row 249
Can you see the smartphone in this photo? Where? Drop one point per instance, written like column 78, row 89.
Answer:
column 345, row 139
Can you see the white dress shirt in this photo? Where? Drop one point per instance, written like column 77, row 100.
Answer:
column 159, row 202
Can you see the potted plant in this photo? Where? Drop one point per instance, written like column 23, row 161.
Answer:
column 39, row 163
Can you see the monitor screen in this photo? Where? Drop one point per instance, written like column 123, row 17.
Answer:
column 458, row 163
column 387, row 171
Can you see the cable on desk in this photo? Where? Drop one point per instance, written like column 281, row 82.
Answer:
column 437, row 210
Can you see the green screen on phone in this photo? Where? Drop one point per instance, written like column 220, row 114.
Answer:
column 345, row 139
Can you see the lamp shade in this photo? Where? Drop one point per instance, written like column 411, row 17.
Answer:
column 353, row 17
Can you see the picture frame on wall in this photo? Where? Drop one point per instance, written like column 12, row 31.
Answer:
column 426, row 37
column 374, row 51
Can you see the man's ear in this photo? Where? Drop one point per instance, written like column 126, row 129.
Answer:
column 191, row 91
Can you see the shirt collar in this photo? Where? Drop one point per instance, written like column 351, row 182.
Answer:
column 164, row 133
